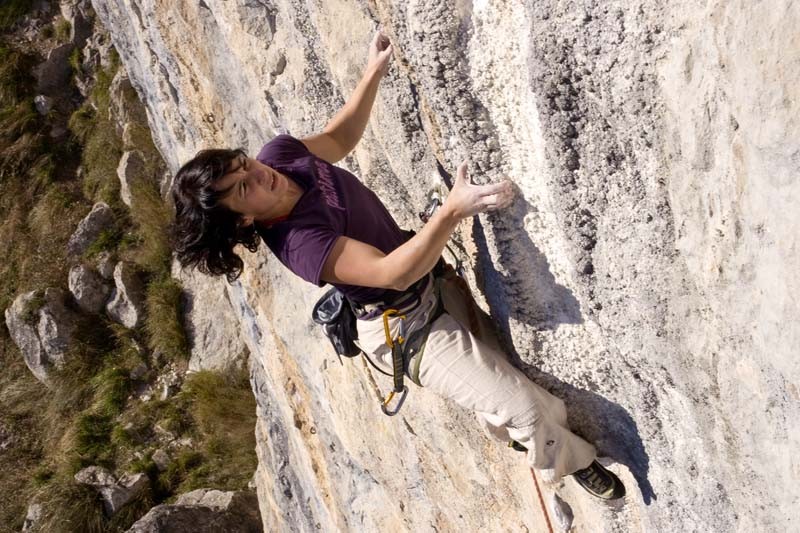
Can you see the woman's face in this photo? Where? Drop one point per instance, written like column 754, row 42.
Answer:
column 256, row 190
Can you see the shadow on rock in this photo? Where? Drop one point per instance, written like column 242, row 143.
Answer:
column 602, row 422
column 530, row 294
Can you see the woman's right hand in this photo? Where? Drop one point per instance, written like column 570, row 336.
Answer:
column 466, row 199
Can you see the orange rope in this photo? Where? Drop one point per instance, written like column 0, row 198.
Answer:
column 541, row 502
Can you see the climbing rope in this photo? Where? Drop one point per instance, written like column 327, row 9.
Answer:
column 541, row 502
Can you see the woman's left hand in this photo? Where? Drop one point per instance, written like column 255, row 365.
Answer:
column 380, row 53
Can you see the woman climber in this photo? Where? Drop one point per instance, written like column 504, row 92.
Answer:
column 324, row 225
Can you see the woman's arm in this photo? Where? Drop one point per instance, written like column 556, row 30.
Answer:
column 345, row 129
column 356, row 263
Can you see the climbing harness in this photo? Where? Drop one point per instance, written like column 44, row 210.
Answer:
column 338, row 315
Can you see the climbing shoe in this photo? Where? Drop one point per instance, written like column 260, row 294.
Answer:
column 600, row 481
column 517, row 446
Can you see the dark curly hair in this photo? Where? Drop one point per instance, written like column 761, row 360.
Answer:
column 205, row 232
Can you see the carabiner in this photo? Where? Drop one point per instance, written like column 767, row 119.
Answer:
column 388, row 399
column 386, row 315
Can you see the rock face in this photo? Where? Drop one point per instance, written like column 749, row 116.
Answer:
column 212, row 324
column 204, row 511
column 646, row 274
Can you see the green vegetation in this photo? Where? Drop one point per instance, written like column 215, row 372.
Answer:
column 62, row 29
column 163, row 324
column 29, row 313
column 102, row 147
column 12, row 10
column 68, row 506
column 90, row 413
column 75, row 60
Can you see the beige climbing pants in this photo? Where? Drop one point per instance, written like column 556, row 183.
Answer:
column 462, row 361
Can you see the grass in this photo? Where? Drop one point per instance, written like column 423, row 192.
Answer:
column 69, row 507
column 31, row 310
column 15, row 73
column 163, row 323
column 102, row 147
column 76, row 61
column 62, row 30
column 11, row 11
column 151, row 218
column 224, row 411
column 89, row 415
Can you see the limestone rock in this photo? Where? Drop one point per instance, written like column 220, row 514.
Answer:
column 646, row 274
column 88, row 288
column 169, row 383
column 115, row 492
column 43, row 104
column 127, row 303
column 124, row 103
column 54, row 73
column 139, row 371
column 105, row 264
column 32, row 517
column 75, row 12
column 161, row 459
column 131, row 168
column 42, row 335
column 216, row 341
column 204, row 511
column 99, row 218
column 96, row 55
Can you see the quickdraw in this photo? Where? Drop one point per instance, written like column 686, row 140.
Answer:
column 397, row 346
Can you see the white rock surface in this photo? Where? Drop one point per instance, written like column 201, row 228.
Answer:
column 88, row 288
column 114, row 492
column 216, row 337
column 127, row 303
column 646, row 274
column 43, row 335
column 131, row 167
column 99, row 218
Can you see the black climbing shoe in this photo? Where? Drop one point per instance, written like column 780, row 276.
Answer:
column 600, row 481
column 517, row 446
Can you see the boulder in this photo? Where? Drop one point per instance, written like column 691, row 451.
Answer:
column 105, row 264
column 99, row 218
column 76, row 13
column 96, row 55
column 54, row 73
column 127, row 302
column 131, row 167
column 124, row 104
column 204, row 511
column 161, row 459
column 89, row 288
column 32, row 517
column 43, row 104
column 42, row 331
column 115, row 492
column 170, row 383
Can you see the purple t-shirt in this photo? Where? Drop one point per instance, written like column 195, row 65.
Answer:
column 334, row 203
